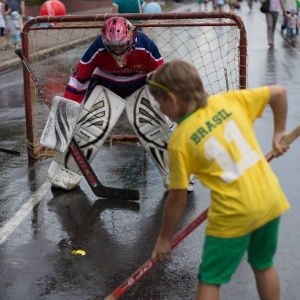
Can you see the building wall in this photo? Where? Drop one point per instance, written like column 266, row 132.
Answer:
column 72, row 6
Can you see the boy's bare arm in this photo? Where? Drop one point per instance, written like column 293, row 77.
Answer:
column 173, row 211
column 279, row 106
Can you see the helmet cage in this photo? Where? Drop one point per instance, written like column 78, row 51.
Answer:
column 119, row 37
column 112, row 48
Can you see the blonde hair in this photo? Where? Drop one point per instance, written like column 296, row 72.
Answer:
column 182, row 79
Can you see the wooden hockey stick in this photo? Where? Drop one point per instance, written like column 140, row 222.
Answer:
column 12, row 152
column 295, row 133
column 149, row 264
column 97, row 187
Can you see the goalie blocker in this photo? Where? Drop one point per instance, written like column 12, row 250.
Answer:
column 99, row 115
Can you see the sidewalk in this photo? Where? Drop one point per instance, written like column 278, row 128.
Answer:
column 8, row 58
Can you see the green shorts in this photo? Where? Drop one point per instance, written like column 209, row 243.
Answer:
column 221, row 256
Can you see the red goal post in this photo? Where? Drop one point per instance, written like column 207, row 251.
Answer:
column 214, row 42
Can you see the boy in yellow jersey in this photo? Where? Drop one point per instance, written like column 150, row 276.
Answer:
column 215, row 140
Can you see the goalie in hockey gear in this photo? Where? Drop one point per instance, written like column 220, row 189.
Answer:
column 99, row 68
column 60, row 125
column 119, row 37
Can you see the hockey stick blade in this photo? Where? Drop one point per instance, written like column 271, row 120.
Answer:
column 98, row 189
column 149, row 264
column 12, row 152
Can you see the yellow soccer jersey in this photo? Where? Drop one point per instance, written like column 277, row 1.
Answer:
column 217, row 144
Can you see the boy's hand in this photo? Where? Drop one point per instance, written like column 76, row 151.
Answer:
column 162, row 249
column 279, row 149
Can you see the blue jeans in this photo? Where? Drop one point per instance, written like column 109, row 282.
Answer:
column 290, row 31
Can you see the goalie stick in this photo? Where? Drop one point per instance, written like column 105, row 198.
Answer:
column 183, row 233
column 97, row 187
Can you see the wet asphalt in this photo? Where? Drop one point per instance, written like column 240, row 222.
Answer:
column 40, row 227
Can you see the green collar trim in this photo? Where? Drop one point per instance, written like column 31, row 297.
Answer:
column 186, row 116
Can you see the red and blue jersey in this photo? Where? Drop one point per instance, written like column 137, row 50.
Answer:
column 97, row 64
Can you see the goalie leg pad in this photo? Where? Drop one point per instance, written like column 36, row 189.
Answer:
column 152, row 127
column 60, row 125
column 99, row 115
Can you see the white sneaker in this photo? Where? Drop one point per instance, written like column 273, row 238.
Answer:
column 191, row 183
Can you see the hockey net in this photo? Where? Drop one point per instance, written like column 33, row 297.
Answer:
column 215, row 43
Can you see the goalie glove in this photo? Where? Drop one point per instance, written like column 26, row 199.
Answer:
column 59, row 128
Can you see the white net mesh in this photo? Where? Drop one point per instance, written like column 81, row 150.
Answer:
column 211, row 44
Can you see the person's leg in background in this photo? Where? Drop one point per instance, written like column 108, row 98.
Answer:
column 1, row 38
column 275, row 18
column 289, row 33
column 21, row 24
column 7, row 31
column 269, row 19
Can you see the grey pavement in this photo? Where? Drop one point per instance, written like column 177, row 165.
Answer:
column 36, row 257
